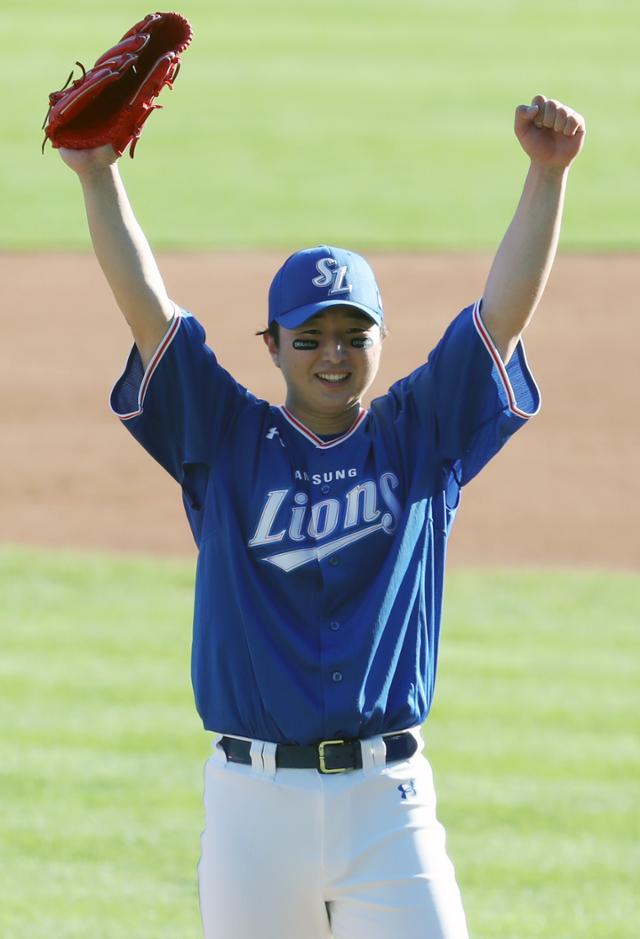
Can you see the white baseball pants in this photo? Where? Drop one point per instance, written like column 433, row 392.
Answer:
column 294, row 854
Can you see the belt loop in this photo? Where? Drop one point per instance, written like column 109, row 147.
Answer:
column 256, row 756
column 263, row 757
column 374, row 753
column 269, row 759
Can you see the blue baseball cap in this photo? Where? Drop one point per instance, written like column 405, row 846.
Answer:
column 315, row 279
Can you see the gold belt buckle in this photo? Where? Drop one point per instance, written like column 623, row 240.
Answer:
column 321, row 756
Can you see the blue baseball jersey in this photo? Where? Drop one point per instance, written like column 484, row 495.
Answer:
column 321, row 562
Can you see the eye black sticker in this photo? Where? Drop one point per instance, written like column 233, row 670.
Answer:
column 362, row 342
column 305, row 343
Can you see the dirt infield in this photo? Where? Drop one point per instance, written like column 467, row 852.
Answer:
column 562, row 493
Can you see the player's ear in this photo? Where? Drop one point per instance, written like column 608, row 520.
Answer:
column 269, row 342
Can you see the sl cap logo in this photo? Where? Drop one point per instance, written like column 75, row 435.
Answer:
column 330, row 272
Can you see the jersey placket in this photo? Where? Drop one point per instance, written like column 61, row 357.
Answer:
column 332, row 474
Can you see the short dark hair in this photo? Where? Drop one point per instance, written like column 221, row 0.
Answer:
column 272, row 330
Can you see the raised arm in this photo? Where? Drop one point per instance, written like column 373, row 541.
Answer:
column 552, row 135
column 121, row 247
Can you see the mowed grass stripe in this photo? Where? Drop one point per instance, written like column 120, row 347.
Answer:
column 379, row 125
column 101, row 752
column 533, row 739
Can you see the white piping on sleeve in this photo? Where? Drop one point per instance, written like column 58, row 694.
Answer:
column 501, row 368
column 155, row 360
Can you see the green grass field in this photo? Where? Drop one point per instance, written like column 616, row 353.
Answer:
column 533, row 738
column 377, row 124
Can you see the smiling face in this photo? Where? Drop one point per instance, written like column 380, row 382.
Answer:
column 328, row 363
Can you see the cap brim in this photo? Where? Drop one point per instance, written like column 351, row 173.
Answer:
column 297, row 317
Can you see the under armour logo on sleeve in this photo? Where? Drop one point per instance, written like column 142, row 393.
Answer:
column 272, row 433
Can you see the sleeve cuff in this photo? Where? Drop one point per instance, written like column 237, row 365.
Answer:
column 520, row 389
column 128, row 394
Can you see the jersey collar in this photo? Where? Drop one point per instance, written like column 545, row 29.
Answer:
column 315, row 440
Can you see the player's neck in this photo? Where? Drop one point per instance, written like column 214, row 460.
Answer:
column 325, row 424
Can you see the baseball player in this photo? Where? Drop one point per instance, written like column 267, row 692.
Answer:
column 322, row 529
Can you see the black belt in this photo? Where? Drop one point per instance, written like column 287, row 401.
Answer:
column 328, row 756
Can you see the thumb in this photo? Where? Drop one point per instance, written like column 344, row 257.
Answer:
column 526, row 114
column 527, row 111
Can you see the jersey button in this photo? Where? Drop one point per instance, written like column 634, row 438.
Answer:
column 325, row 490
column 337, row 676
column 334, row 625
column 334, row 561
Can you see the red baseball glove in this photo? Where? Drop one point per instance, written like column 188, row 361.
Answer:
column 110, row 102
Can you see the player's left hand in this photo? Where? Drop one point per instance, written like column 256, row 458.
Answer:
column 550, row 133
